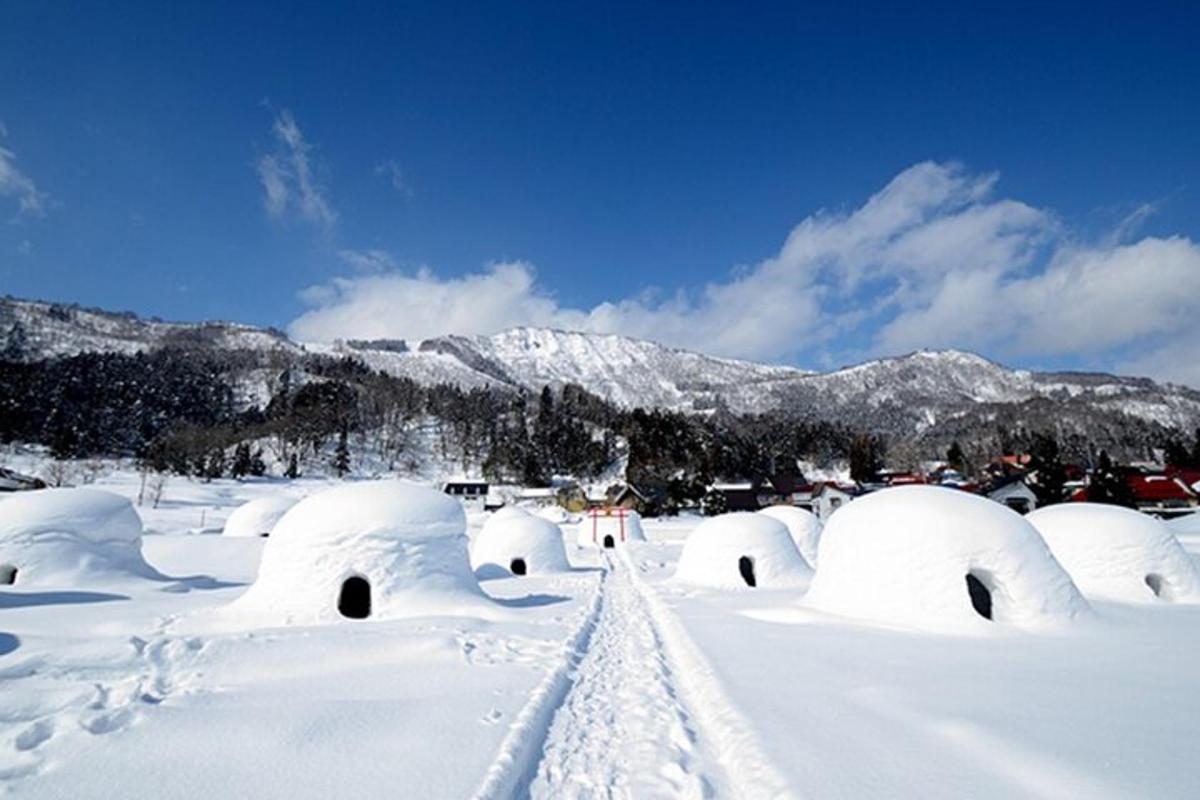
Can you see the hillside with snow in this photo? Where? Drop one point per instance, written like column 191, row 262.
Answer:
column 906, row 394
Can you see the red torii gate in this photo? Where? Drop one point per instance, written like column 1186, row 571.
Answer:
column 595, row 514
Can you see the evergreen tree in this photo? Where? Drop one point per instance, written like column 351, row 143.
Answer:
column 214, row 465
column 866, row 458
column 241, row 461
column 341, row 456
column 956, row 459
column 1196, row 450
column 1051, row 474
column 16, row 345
column 1108, row 485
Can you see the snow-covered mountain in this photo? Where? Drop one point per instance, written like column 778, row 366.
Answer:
column 909, row 392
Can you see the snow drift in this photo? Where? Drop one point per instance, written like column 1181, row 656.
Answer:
column 258, row 517
column 610, row 527
column 382, row 549
column 942, row 560
column 740, row 550
column 1117, row 552
column 518, row 544
column 804, row 527
column 70, row 537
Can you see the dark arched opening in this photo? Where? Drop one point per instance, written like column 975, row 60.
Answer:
column 746, row 567
column 8, row 575
column 1156, row 584
column 981, row 596
column 354, row 602
column 517, row 567
column 609, row 541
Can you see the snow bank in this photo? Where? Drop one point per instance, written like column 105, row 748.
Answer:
column 258, row 517
column 733, row 551
column 928, row 557
column 803, row 526
column 70, row 537
column 382, row 549
column 610, row 527
column 556, row 514
column 1117, row 552
column 518, row 544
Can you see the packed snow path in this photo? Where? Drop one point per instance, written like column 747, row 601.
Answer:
column 622, row 729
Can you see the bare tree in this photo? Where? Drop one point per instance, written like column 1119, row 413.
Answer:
column 58, row 473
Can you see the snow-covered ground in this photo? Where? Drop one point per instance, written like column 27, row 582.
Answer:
column 610, row 680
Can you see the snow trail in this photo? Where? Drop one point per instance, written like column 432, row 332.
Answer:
column 622, row 729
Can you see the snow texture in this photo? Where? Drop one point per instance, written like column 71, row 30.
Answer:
column 1187, row 524
column 71, row 537
column 902, row 556
column 714, row 552
column 623, row 525
column 803, row 526
column 1118, row 553
column 258, row 517
column 408, row 542
column 513, row 534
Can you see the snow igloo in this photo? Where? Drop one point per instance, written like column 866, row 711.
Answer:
column 740, row 550
column 1118, row 553
column 610, row 527
column 70, row 537
column 804, row 527
column 258, row 517
column 939, row 559
column 518, row 543
column 377, row 550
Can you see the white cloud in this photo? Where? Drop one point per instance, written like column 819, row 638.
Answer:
column 16, row 184
column 934, row 259
column 390, row 170
column 368, row 260
column 288, row 176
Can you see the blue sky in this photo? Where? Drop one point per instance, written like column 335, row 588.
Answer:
column 803, row 185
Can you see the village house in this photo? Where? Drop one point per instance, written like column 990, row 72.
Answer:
column 470, row 492
column 1012, row 491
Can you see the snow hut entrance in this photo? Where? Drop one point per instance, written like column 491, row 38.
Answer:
column 981, row 596
column 354, row 602
column 1155, row 582
column 609, row 542
column 8, row 574
column 746, row 568
column 517, row 567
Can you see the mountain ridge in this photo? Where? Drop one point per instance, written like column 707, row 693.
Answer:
column 909, row 392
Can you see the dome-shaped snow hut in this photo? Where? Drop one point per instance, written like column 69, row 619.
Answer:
column 518, row 544
column 740, row 550
column 382, row 549
column 258, row 517
column 70, row 537
column 1117, row 552
column 939, row 559
column 610, row 527
column 803, row 526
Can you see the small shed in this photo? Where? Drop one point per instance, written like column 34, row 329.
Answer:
column 1014, row 493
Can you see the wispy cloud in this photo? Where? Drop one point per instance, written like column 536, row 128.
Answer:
column 31, row 202
column 933, row 259
column 289, row 176
column 391, row 171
